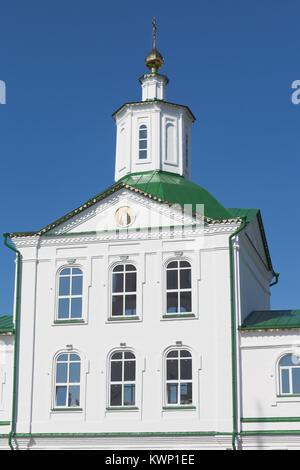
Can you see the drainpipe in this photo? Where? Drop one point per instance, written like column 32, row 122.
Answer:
column 276, row 279
column 16, row 341
column 233, row 335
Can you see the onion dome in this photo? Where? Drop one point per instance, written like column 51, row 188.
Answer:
column 154, row 60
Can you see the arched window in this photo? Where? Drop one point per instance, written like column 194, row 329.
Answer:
column 124, row 290
column 122, row 379
column 179, row 384
column 179, row 287
column 70, row 293
column 143, row 142
column 67, row 381
column 289, row 375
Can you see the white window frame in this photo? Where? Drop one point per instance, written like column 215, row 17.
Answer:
column 124, row 293
column 178, row 290
column 143, row 127
column 67, row 384
column 290, row 370
column 122, row 382
column 57, row 296
column 177, row 381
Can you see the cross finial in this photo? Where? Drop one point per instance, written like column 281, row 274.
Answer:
column 154, row 30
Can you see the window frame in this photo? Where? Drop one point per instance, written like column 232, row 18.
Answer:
column 143, row 127
column 66, row 407
column 124, row 293
column 122, row 382
column 290, row 373
column 167, row 314
column 166, row 404
column 81, row 319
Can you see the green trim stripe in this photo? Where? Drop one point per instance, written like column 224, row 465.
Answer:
column 270, row 420
column 126, row 434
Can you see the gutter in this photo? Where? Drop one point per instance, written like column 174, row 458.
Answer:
column 233, row 335
column 276, row 279
column 16, row 342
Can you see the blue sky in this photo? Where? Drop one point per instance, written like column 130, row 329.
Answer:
column 69, row 64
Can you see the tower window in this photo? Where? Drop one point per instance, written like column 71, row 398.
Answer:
column 70, row 293
column 122, row 379
column 179, row 287
column 179, row 377
column 143, row 142
column 289, row 375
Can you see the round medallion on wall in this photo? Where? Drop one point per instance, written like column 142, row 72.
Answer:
column 124, row 216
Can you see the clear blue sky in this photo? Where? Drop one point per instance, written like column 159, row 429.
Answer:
column 69, row 64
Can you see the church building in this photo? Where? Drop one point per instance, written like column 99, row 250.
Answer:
column 142, row 318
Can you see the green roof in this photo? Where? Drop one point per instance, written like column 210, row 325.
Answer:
column 163, row 187
column 271, row 319
column 6, row 323
column 249, row 214
column 176, row 189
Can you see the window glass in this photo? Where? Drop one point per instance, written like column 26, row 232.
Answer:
column 67, row 378
column 179, row 287
column 124, row 287
column 143, row 142
column 122, row 377
column 70, row 293
column 179, row 377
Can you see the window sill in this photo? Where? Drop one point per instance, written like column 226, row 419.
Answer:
column 175, row 316
column 182, row 407
column 71, row 321
column 288, row 396
column 125, row 318
column 66, row 409
column 121, row 408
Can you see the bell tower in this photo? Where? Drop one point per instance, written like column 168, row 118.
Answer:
column 153, row 134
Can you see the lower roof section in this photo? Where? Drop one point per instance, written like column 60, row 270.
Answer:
column 271, row 319
column 6, row 323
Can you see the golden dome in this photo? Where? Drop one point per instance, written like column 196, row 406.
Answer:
column 154, row 60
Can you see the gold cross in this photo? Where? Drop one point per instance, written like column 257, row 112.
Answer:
column 154, row 29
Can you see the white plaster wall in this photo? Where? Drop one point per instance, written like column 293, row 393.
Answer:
column 155, row 116
column 255, row 280
column 207, row 336
column 260, row 353
column 6, row 380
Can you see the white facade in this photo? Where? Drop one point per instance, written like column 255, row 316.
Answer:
column 228, row 398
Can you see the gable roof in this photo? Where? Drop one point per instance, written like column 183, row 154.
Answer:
column 271, row 319
column 161, row 186
column 249, row 215
column 6, row 323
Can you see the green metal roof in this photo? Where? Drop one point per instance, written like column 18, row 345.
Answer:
column 6, row 323
column 163, row 187
column 249, row 214
column 177, row 190
column 271, row 319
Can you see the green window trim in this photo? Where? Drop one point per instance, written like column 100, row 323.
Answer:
column 288, row 396
column 67, row 409
column 270, row 420
column 64, row 322
column 183, row 407
column 121, row 408
column 179, row 315
column 5, row 423
column 128, row 317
